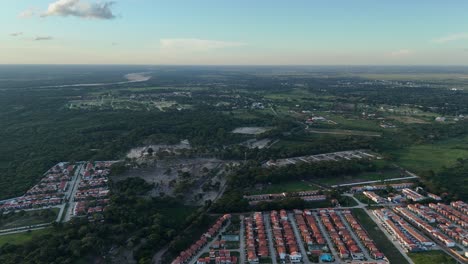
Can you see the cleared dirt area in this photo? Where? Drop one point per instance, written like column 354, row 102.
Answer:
column 140, row 152
column 250, row 130
column 193, row 180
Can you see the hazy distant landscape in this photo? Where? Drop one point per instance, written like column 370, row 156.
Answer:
column 233, row 132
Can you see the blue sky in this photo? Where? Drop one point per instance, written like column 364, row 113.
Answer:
column 234, row 32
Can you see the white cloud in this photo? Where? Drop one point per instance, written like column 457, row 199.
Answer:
column 41, row 38
column 16, row 34
column 400, row 53
column 28, row 13
column 450, row 38
column 192, row 44
column 78, row 8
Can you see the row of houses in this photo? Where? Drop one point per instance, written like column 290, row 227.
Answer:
column 285, row 240
column 186, row 255
column 308, row 196
column 451, row 213
column 374, row 197
column 406, row 235
column 48, row 192
column 460, row 206
column 344, row 243
column 314, row 228
column 303, row 229
column 222, row 256
column 396, row 186
column 255, row 238
column 362, row 235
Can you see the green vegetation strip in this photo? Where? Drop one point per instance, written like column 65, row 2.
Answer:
column 20, row 238
column 431, row 257
column 382, row 242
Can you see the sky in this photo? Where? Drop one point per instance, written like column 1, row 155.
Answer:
column 234, row 32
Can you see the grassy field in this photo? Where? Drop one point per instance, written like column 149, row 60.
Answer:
column 364, row 176
column 431, row 257
column 27, row 218
column 295, row 186
column 382, row 242
column 20, row 238
column 433, row 156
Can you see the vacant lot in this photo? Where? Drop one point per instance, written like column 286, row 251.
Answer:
column 431, row 257
column 433, row 156
column 27, row 218
column 295, row 186
column 382, row 242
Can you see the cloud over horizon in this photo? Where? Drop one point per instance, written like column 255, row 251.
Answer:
column 194, row 44
column 451, row 38
column 28, row 13
column 16, row 34
column 78, row 8
column 41, row 38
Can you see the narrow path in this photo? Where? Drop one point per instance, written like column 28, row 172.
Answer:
column 242, row 240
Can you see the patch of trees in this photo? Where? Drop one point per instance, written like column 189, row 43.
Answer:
column 452, row 180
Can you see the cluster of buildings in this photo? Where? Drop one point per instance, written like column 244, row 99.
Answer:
column 92, row 195
column 396, row 186
column 408, row 237
column 374, row 197
column 454, row 220
column 362, row 235
column 412, row 195
column 340, row 235
column 283, row 235
column 308, row 196
column 186, row 255
column 50, row 191
column 334, row 156
column 255, row 238
column 423, row 225
column 222, row 256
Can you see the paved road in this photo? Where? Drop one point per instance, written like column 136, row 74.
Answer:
column 266, row 220
column 351, row 231
column 292, row 220
column 324, row 231
column 23, row 229
column 242, row 240
column 71, row 193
